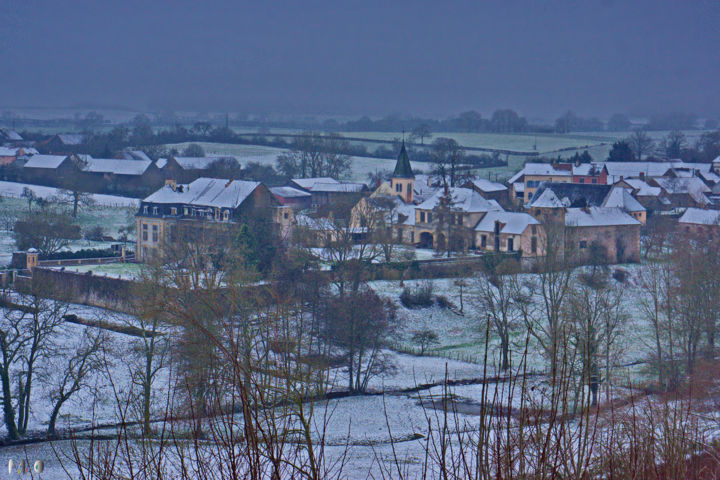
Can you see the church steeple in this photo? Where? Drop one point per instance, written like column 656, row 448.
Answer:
column 402, row 166
column 403, row 179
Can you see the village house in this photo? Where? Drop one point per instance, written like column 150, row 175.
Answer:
column 602, row 234
column 48, row 169
column 10, row 136
column 489, row 189
column 327, row 190
column 292, row 197
column 551, row 199
column 510, row 232
column 187, row 169
column 206, row 202
column 452, row 212
column 62, row 144
column 700, row 223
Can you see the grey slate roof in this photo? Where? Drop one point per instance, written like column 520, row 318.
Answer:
column 206, row 192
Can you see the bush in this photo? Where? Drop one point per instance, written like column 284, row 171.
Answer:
column 95, row 233
column 443, row 301
column 419, row 297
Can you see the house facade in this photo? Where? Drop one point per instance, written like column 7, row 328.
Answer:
column 204, row 203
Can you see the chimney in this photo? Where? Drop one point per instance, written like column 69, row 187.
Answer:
column 171, row 182
column 642, row 176
column 228, row 183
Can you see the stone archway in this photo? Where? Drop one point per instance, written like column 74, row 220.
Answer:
column 425, row 240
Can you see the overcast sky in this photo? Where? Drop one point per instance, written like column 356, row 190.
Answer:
column 349, row 58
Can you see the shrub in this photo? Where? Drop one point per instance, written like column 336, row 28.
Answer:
column 444, row 302
column 425, row 338
column 419, row 297
column 95, row 233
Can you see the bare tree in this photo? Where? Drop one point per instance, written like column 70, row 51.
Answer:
column 422, row 132
column 360, row 324
column 72, row 374
column 26, row 331
column 506, row 301
column 447, row 155
column 641, row 143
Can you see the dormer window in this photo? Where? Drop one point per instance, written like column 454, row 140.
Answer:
column 155, row 210
column 145, row 209
column 173, row 211
column 185, row 211
column 226, row 215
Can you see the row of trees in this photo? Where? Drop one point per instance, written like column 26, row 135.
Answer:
column 639, row 146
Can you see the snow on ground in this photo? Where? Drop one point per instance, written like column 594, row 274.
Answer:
column 15, row 190
column 108, row 216
column 128, row 271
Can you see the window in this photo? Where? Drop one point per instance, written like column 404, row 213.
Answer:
column 429, row 217
column 533, row 244
column 510, row 244
column 459, row 219
column 422, row 217
column 537, row 212
column 594, row 180
column 398, row 187
column 185, row 211
column 155, row 210
column 533, row 229
column 583, row 244
column 173, row 211
column 582, row 180
column 286, row 215
column 156, row 236
column 412, row 237
column 532, row 183
column 144, row 232
column 145, row 209
column 226, row 215
column 483, row 241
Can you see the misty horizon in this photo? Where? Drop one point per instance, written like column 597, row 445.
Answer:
column 364, row 59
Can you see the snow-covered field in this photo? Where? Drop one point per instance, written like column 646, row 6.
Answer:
column 110, row 213
column 15, row 190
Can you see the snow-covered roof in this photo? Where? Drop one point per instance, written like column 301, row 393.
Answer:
column 463, row 200
column 289, row 192
column 338, row 187
column 161, row 162
column 547, row 199
column 308, row 183
column 519, row 186
column 319, row 224
column 539, row 169
column 200, row 163
column 642, row 187
column 71, row 138
column 700, row 216
column 116, row 166
column 597, row 217
column 211, row 192
column 11, row 134
column 485, row 185
column 131, row 154
column 692, row 186
column 45, row 161
column 622, row 198
column 8, row 152
column 513, row 223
